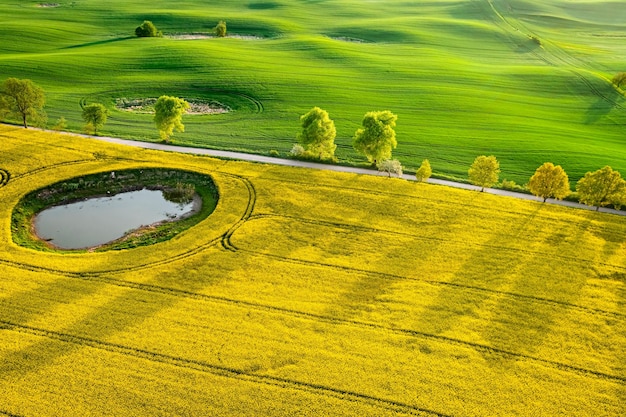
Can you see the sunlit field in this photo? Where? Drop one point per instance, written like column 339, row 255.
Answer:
column 464, row 77
column 312, row 293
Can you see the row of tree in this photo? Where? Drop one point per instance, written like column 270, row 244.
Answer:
column 375, row 139
column 25, row 100
column 600, row 188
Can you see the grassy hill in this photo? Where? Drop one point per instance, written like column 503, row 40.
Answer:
column 312, row 293
column 465, row 78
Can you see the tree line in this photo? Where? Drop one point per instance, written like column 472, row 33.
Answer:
column 375, row 139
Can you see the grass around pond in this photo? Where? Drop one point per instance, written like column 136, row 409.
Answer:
column 312, row 293
column 465, row 78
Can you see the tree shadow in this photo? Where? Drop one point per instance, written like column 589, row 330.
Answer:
column 100, row 42
column 608, row 98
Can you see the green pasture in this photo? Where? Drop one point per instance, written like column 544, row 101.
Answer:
column 464, row 77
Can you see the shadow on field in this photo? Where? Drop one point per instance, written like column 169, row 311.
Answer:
column 604, row 104
column 87, row 312
column 102, row 42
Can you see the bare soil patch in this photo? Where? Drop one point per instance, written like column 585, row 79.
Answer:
column 146, row 106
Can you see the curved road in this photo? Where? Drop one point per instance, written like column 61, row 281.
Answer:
column 339, row 168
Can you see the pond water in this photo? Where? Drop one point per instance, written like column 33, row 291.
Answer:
column 100, row 220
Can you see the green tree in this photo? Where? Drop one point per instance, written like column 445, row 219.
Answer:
column 24, row 99
column 168, row 113
column 424, row 172
column 95, row 116
column 601, row 188
column 318, row 134
column 147, row 30
column 390, row 166
column 377, row 137
column 619, row 79
column 484, row 171
column 220, row 29
column 549, row 181
column 61, row 124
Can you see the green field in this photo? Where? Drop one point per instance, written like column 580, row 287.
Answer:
column 312, row 293
column 464, row 77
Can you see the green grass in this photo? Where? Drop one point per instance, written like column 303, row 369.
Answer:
column 309, row 292
column 464, row 77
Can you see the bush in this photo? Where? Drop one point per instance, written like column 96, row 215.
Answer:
column 60, row 125
column 147, row 30
column 220, row 29
column 297, row 151
column 619, row 79
column 390, row 166
column 274, row 153
column 424, row 172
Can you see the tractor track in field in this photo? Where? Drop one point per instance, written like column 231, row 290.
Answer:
column 252, row 196
column 6, row 413
column 388, row 276
column 536, row 254
column 5, row 177
column 488, row 350
column 552, row 58
column 221, row 370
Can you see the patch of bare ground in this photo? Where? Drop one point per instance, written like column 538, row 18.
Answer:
column 192, row 36
column 146, row 106
column 48, row 5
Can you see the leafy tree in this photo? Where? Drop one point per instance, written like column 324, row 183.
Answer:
column 23, row 99
column 619, row 79
column 168, row 115
column 147, row 30
column 95, row 115
column 220, row 29
column 377, row 137
column 601, row 188
column 424, row 172
column 61, row 124
column 390, row 166
column 484, row 171
column 318, row 133
column 549, row 181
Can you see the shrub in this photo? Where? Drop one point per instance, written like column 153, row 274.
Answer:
column 619, row 79
column 147, row 30
column 61, row 124
column 220, row 29
column 424, row 172
column 297, row 150
column 274, row 153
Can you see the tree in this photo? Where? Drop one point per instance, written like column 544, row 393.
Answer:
column 318, row 133
column 95, row 115
column 484, row 171
column 601, row 188
column 220, row 29
column 376, row 138
column 619, row 79
column 424, row 172
column 61, row 124
column 23, row 99
column 549, row 181
column 168, row 115
column 147, row 30
column 390, row 166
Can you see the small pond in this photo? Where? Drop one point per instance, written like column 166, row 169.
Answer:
column 96, row 221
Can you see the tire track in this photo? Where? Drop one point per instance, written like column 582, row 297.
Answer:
column 369, row 325
column 6, row 413
column 5, row 177
column 48, row 167
column 394, row 277
column 221, row 370
column 564, row 59
column 252, row 197
column 356, row 228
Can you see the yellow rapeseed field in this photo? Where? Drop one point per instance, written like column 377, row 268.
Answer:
column 312, row 293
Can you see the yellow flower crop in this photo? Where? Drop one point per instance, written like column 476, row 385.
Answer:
column 312, row 293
